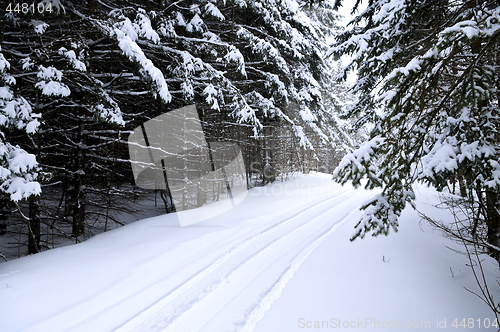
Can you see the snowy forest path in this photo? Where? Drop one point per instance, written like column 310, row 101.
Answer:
column 233, row 292
column 218, row 276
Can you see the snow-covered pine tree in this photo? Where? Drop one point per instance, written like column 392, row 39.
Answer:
column 19, row 169
column 253, row 68
column 428, row 81
column 51, row 68
column 251, row 61
column 245, row 65
column 338, row 101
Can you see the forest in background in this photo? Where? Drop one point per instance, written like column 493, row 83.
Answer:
column 76, row 80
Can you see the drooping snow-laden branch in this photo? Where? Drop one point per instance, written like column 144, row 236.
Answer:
column 426, row 71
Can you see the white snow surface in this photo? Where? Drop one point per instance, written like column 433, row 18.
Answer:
column 279, row 261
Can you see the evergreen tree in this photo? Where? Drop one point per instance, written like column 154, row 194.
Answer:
column 428, row 81
column 96, row 70
column 18, row 168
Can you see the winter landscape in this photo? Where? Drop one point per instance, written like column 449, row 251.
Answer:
column 236, row 165
column 271, row 269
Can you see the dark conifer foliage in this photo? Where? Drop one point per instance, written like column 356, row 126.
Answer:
column 83, row 76
column 429, row 84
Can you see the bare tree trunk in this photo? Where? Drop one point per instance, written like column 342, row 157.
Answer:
column 461, row 184
column 78, row 191
column 5, row 212
column 493, row 223
column 492, row 204
column 78, row 211
column 33, row 226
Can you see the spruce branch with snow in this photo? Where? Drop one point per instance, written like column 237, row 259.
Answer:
column 18, row 168
column 427, row 83
column 255, row 70
column 211, row 44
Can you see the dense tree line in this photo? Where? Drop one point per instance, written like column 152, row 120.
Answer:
column 78, row 79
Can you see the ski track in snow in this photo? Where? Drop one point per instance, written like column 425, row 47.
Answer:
column 249, row 270
column 275, row 292
column 232, row 292
column 193, row 305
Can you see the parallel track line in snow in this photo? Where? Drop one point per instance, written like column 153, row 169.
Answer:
column 259, row 309
column 204, row 304
column 142, row 316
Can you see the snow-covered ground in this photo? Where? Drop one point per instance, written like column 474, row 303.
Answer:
column 279, row 261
